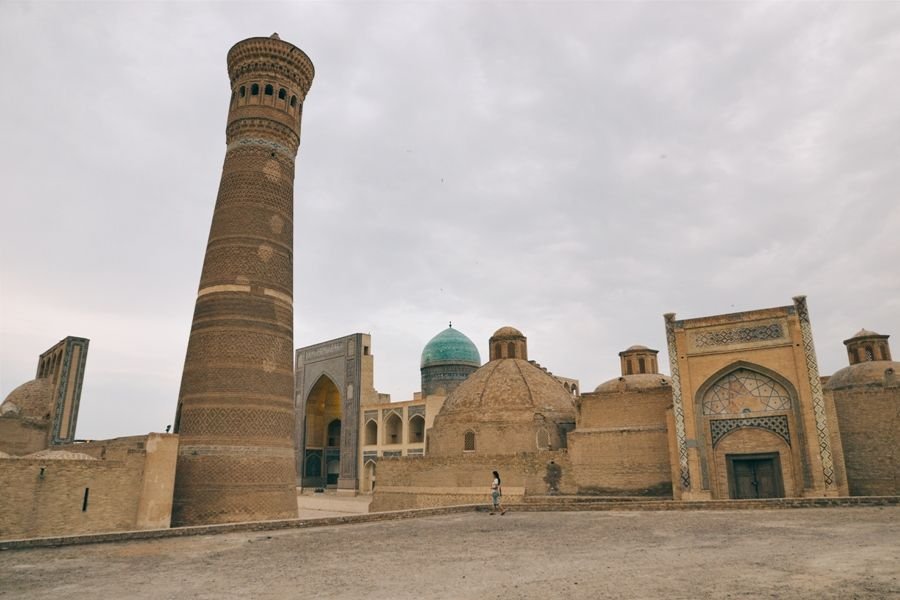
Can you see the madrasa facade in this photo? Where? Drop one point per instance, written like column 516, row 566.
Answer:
column 743, row 412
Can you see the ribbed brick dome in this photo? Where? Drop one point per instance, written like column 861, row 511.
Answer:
column 508, row 389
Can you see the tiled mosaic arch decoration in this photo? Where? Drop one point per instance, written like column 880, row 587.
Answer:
column 777, row 424
column 744, row 390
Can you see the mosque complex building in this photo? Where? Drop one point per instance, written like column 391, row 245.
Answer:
column 743, row 413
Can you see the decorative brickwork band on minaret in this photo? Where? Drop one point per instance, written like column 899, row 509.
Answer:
column 235, row 413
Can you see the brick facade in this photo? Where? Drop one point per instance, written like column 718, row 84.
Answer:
column 115, row 485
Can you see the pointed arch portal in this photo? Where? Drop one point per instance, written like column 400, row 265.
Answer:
column 323, row 434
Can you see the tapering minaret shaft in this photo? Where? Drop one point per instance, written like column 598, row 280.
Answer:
column 235, row 412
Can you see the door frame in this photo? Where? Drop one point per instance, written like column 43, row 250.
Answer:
column 732, row 482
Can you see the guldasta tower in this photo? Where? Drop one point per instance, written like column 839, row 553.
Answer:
column 235, row 414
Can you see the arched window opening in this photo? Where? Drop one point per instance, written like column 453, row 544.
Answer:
column 574, row 390
column 371, row 433
column 393, row 428
column 869, row 354
column 511, row 350
column 416, row 430
column 334, row 433
column 628, row 368
column 642, row 366
column 242, row 91
column 254, row 89
column 293, row 101
column 469, row 441
column 282, row 94
column 269, row 89
column 313, row 466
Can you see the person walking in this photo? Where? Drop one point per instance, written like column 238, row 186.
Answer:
column 496, row 494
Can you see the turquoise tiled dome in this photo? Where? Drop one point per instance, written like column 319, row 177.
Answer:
column 450, row 347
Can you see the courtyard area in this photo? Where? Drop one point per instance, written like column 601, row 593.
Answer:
column 802, row 553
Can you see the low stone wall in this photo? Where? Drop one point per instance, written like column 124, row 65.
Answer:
column 130, row 487
column 404, row 483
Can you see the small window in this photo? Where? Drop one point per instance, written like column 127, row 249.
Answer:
column 628, row 368
column 84, row 502
column 269, row 89
column 365, row 350
column 469, row 442
column 293, row 101
column 642, row 367
column 511, row 350
column 869, row 354
column 334, row 433
column 282, row 94
column 254, row 89
column 243, row 91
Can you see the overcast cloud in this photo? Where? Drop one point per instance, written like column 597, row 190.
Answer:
column 573, row 169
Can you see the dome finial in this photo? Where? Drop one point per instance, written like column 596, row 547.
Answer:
column 450, row 325
column 275, row 36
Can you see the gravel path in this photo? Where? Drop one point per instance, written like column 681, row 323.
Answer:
column 841, row 553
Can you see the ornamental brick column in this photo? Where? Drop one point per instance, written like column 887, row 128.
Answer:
column 235, row 413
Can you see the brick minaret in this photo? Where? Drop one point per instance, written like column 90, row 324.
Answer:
column 235, row 413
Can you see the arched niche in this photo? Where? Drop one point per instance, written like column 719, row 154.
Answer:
column 744, row 394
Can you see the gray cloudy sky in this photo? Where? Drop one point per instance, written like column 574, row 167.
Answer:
column 574, row 169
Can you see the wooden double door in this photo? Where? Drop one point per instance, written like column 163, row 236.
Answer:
column 755, row 476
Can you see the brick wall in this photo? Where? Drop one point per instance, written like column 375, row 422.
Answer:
column 620, row 446
column 632, row 462
column 625, row 408
column 131, row 488
column 18, row 437
column 405, row 483
column 869, row 419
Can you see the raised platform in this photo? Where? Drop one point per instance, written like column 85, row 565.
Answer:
column 532, row 504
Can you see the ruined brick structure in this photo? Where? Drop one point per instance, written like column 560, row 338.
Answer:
column 235, row 410
column 43, row 412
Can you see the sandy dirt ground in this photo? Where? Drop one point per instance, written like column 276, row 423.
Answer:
column 841, row 553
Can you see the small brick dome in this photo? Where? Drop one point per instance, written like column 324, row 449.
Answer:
column 869, row 373
column 635, row 383
column 32, row 400
column 509, row 389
